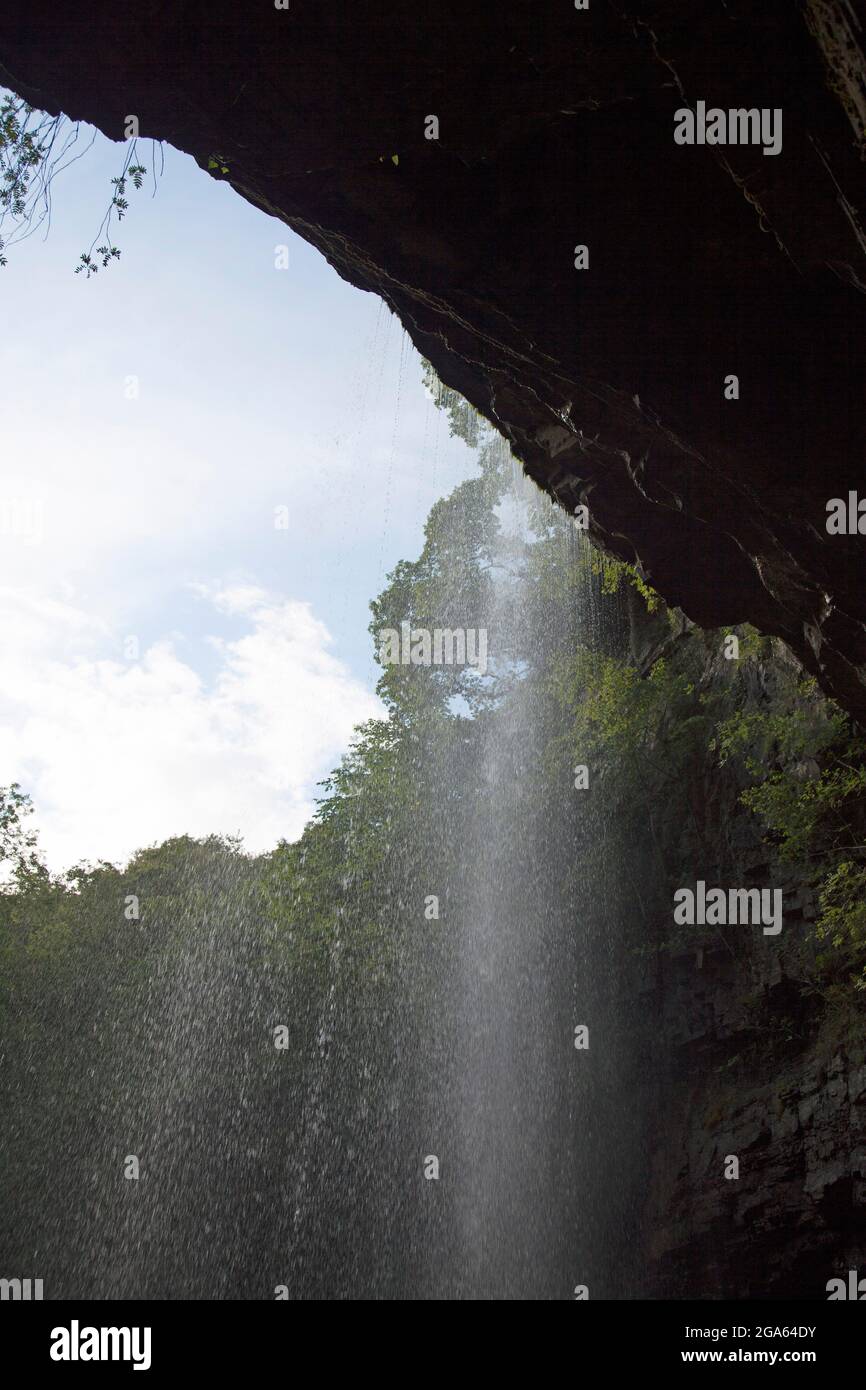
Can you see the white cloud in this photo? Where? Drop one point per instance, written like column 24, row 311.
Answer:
column 120, row 754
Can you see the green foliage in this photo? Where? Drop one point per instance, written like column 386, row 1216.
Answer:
column 611, row 705
column 805, row 812
column 842, row 922
column 450, row 586
column 464, row 421
column 807, row 768
column 87, row 263
column 34, row 148
column 19, row 856
column 799, row 725
column 327, row 934
column 806, row 764
column 22, row 151
column 118, row 207
column 753, row 644
column 614, row 573
column 643, row 731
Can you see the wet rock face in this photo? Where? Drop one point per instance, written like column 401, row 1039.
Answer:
column 556, row 129
column 796, row 1216
column 747, row 1059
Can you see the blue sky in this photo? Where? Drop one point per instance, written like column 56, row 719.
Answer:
column 173, row 661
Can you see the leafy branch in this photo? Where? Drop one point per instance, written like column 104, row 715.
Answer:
column 34, row 149
column 117, row 208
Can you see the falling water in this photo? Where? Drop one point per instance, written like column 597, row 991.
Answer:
column 512, row 1041
column 306, row 1171
column 531, row 1144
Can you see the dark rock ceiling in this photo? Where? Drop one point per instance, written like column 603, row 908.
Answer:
column 556, row 129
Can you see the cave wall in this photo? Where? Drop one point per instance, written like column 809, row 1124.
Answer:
column 743, row 1050
column 796, row 1216
column 556, row 129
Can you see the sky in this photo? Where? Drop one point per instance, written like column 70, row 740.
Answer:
column 209, row 464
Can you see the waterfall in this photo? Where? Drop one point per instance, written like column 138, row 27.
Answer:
column 512, row 1043
column 430, row 1129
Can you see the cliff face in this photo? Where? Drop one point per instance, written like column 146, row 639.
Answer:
column 744, row 1074
column 555, row 129
column 796, row 1216
column 748, row 1056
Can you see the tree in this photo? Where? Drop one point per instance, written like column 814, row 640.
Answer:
column 20, row 858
